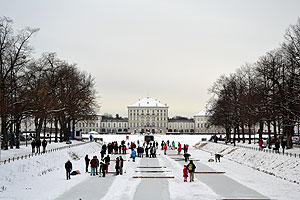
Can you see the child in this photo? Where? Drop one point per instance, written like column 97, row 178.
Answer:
column 185, row 173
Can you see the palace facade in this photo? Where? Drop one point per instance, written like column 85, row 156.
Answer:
column 148, row 115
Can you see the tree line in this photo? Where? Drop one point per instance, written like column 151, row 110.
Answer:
column 264, row 93
column 44, row 90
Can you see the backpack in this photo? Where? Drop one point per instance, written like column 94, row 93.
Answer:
column 190, row 167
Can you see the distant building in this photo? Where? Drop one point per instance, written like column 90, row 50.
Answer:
column 148, row 115
column 114, row 125
column 181, row 125
column 202, row 124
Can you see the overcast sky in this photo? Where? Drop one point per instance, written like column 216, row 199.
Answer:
column 171, row 50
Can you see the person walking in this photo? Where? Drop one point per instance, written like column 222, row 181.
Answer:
column 191, row 168
column 165, row 149
column 97, row 165
column 44, row 144
column 277, row 146
column 133, row 155
column 186, row 156
column 185, row 173
column 33, row 145
column 68, row 167
column 87, row 161
column 179, row 148
column 38, row 146
column 283, row 145
column 117, row 166
column 121, row 165
column 102, row 169
column 93, row 166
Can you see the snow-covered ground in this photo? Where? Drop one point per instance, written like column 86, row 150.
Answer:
column 248, row 173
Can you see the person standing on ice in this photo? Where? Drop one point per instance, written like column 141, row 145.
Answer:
column 283, row 145
column 133, row 155
column 68, row 167
column 87, row 161
column 38, row 146
column 93, row 166
column 165, row 149
column 121, row 165
column 33, row 145
column 186, row 156
column 179, row 148
column 185, row 173
column 117, row 166
column 191, row 168
column 44, row 144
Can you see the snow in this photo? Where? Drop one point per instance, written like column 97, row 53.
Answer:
column 148, row 102
column 256, row 173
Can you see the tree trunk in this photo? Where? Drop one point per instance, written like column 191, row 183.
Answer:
column 18, row 124
column 4, row 144
column 249, row 132
column 269, row 130
column 260, row 131
column 275, row 129
column 56, row 129
column 234, row 136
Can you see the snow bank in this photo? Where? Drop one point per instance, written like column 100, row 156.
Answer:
column 25, row 179
column 281, row 166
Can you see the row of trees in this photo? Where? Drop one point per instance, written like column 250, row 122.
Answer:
column 45, row 90
column 266, row 93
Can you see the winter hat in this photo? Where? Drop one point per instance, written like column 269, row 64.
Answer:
column 184, row 165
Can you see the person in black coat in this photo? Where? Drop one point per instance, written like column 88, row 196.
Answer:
column 283, row 145
column 38, row 146
column 44, row 144
column 33, row 145
column 87, row 161
column 68, row 167
column 186, row 156
column 117, row 166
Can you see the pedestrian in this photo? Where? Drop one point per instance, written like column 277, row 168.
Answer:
column 102, row 152
column 68, row 167
column 147, row 150
column 191, row 168
column 260, row 143
column 87, row 161
column 117, row 166
column 277, row 146
column 179, row 148
column 186, row 156
column 283, row 145
column 165, row 149
column 97, row 165
column 187, row 147
column 133, row 155
column 102, row 169
column 38, row 146
column 121, row 165
column 185, row 173
column 184, row 148
column 44, row 144
column 93, row 166
column 33, row 145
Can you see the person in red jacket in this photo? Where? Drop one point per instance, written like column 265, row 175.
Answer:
column 165, row 149
column 185, row 173
column 179, row 148
column 260, row 143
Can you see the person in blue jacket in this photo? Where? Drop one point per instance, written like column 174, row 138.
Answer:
column 133, row 155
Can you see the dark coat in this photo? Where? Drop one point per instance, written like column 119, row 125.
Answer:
column 191, row 167
column 68, row 166
column 87, row 160
column 94, row 163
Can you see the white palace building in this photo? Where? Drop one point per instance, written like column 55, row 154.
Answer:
column 148, row 115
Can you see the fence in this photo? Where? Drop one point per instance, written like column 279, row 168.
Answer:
column 36, row 154
column 267, row 150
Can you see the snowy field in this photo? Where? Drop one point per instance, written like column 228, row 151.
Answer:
column 248, row 174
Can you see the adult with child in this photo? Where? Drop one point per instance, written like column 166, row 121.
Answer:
column 191, row 168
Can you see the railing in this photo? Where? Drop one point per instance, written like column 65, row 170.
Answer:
column 8, row 160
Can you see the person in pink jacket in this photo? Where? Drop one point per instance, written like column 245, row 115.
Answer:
column 185, row 173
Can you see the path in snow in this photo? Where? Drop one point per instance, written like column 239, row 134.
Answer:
column 91, row 188
column 222, row 184
column 152, row 188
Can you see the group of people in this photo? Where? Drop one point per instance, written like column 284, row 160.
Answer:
column 277, row 145
column 101, row 167
column 36, row 144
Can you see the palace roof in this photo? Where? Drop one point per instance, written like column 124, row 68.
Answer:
column 148, row 102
